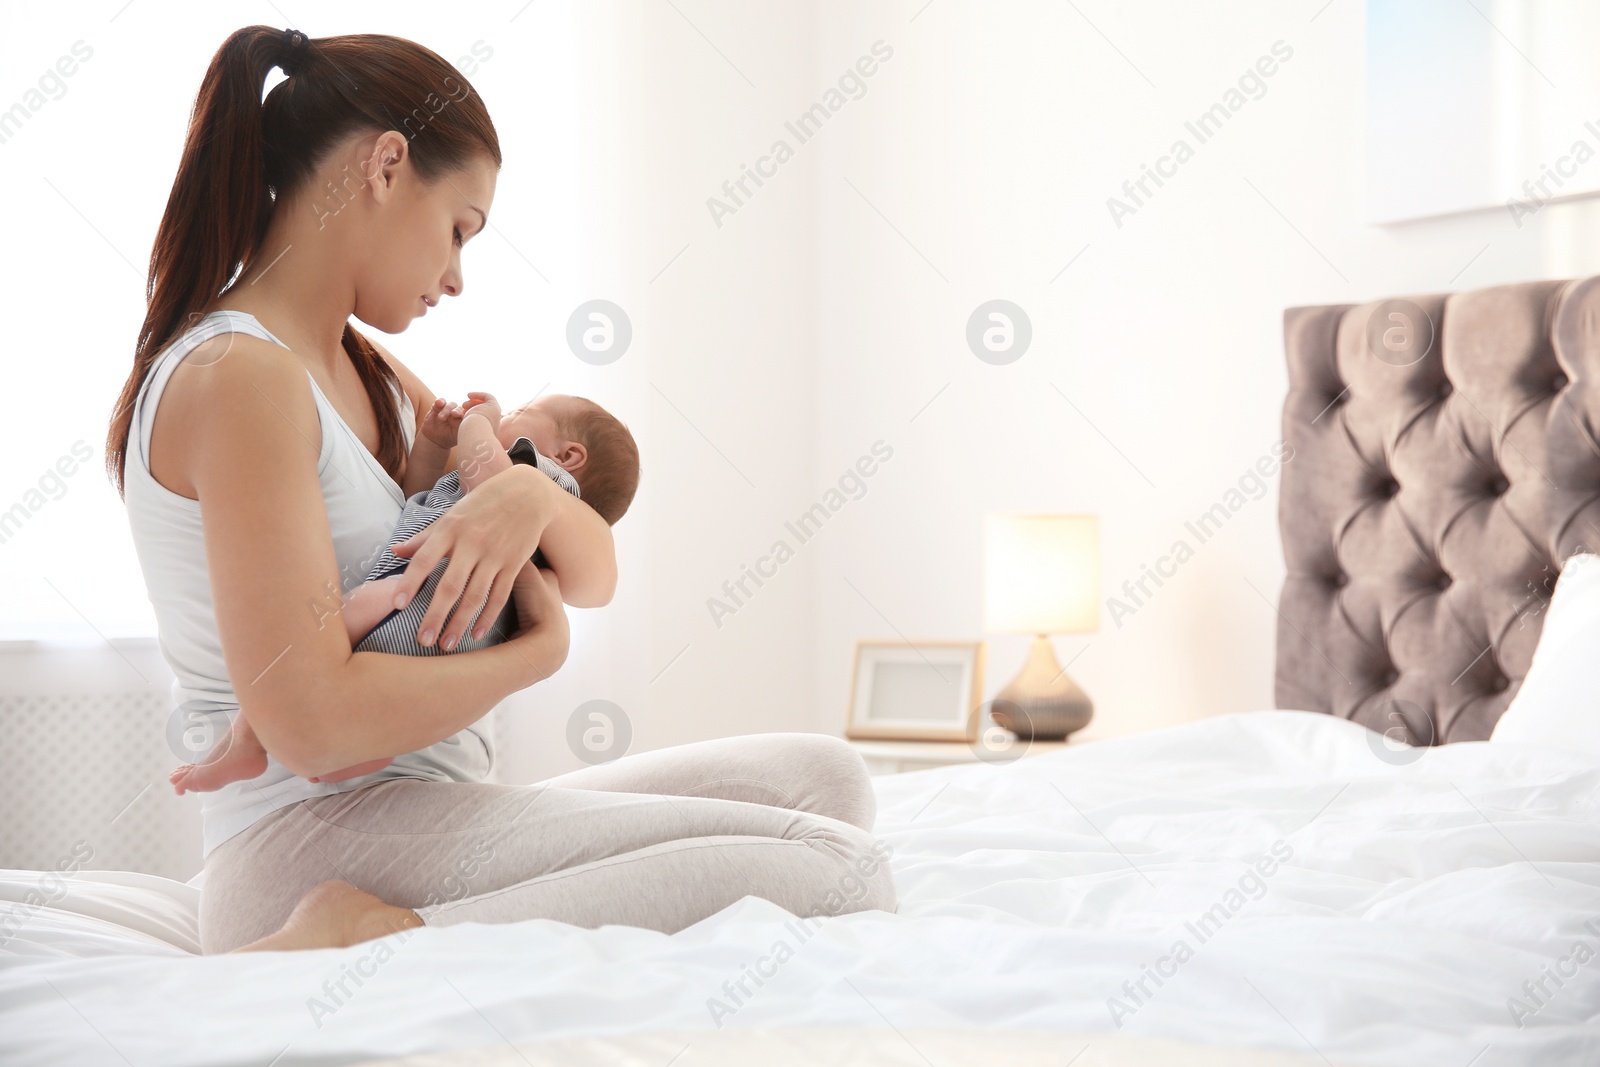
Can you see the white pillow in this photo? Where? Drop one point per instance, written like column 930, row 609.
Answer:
column 1559, row 702
column 81, row 913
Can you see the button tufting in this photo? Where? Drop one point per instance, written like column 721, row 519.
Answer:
column 1558, row 383
column 1389, row 488
column 1499, row 485
column 1391, row 677
column 1445, row 389
column 1442, row 582
column 1341, row 580
column 1500, row 683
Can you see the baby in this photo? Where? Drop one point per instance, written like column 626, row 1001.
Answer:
column 580, row 445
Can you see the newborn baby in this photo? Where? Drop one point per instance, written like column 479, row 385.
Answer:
column 580, row 445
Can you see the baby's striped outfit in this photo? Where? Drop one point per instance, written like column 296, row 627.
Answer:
column 397, row 633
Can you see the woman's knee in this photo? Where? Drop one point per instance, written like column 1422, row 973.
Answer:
column 840, row 786
column 864, row 882
column 853, row 876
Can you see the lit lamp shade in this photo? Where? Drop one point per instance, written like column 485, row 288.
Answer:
column 1041, row 574
column 1041, row 577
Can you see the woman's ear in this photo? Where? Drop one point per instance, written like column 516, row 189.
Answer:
column 390, row 151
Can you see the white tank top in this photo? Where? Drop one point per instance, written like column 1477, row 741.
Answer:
column 363, row 503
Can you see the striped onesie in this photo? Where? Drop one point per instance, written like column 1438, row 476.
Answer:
column 397, row 633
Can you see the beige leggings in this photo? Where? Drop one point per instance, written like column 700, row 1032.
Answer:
column 660, row 840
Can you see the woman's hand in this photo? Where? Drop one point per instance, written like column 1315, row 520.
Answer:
column 489, row 535
column 537, row 595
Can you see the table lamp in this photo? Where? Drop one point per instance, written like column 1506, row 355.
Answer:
column 1042, row 577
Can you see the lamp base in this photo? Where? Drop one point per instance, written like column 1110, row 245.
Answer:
column 1042, row 703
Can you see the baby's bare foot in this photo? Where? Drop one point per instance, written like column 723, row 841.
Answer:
column 333, row 915
column 238, row 763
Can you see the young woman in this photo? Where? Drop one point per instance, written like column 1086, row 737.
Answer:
column 258, row 445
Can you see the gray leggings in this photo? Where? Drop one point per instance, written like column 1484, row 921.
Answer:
column 660, row 840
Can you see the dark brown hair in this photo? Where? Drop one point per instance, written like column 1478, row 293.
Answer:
column 243, row 155
column 611, row 473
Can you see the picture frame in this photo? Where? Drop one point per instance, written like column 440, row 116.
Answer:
column 916, row 691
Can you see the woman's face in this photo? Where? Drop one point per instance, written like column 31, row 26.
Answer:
column 412, row 248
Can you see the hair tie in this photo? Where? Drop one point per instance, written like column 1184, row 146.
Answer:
column 295, row 46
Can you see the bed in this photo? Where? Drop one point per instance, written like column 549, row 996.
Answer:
column 1355, row 877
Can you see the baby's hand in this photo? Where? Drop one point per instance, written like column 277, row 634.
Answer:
column 486, row 405
column 442, row 423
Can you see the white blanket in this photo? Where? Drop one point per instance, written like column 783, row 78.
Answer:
column 1266, row 879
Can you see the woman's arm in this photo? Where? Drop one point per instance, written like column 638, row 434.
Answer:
column 576, row 541
column 248, row 431
column 487, row 536
column 579, row 547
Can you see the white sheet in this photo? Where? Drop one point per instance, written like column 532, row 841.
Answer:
column 1418, row 899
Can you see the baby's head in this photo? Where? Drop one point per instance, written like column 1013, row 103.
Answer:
column 587, row 441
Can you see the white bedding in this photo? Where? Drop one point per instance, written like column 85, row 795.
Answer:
column 1416, row 900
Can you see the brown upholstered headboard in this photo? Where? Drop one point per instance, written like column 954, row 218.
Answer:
column 1434, row 486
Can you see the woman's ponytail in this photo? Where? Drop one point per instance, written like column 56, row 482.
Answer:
column 217, row 212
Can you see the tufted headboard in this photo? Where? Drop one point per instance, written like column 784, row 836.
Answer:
column 1442, row 461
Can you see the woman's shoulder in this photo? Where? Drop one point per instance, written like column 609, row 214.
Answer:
column 231, row 365
column 228, row 397
column 236, row 373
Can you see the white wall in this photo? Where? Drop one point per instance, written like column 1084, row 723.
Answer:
column 718, row 386
column 772, row 351
column 992, row 142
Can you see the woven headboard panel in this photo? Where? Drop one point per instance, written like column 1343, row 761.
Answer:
column 1444, row 462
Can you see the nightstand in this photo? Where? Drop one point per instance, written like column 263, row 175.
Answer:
column 893, row 757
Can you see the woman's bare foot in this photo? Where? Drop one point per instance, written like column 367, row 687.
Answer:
column 333, row 915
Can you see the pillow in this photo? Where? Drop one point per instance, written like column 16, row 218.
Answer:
column 1559, row 702
column 78, row 914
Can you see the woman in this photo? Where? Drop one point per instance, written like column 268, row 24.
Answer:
column 257, row 498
